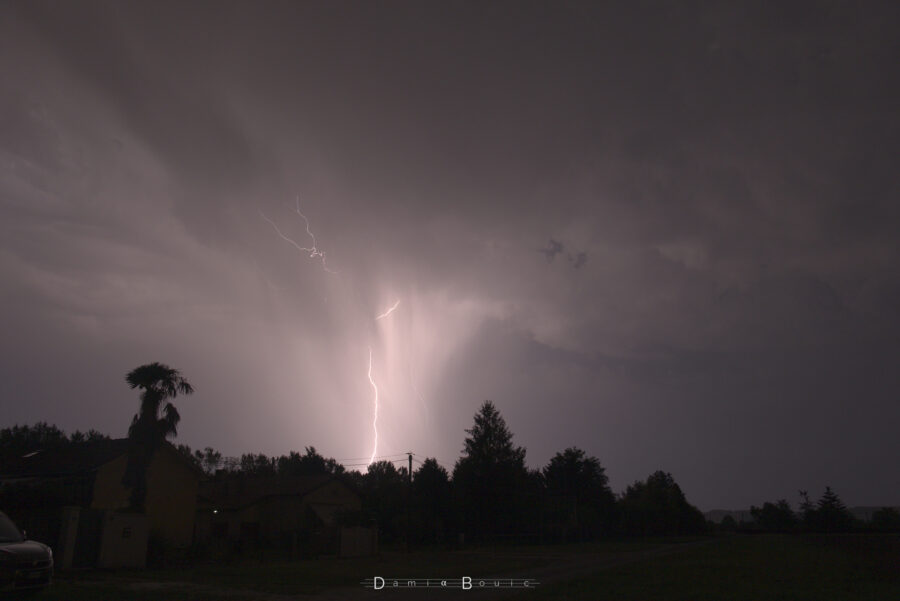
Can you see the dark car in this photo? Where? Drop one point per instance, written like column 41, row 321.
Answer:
column 25, row 565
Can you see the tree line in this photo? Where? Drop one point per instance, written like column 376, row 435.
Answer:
column 489, row 494
column 828, row 514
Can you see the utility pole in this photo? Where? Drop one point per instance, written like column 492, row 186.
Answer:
column 408, row 498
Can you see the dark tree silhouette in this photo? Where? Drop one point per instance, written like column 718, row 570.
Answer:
column 209, row 459
column 157, row 383
column 431, row 501
column 310, row 463
column 775, row 517
column 257, row 464
column 807, row 511
column 828, row 515
column 886, row 519
column 384, row 487
column 156, row 420
column 489, row 478
column 18, row 440
column 89, row 436
column 578, row 487
column 831, row 514
column 29, row 438
column 728, row 524
column 189, row 453
column 657, row 506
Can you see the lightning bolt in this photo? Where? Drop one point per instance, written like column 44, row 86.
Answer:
column 314, row 252
column 389, row 311
column 375, row 419
column 372, row 382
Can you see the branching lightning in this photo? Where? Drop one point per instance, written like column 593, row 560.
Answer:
column 389, row 311
column 314, row 252
column 375, row 386
column 375, row 419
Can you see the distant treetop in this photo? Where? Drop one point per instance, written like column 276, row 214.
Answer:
column 23, row 439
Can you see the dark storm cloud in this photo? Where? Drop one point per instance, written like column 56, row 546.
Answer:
column 578, row 260
column 719, row 179
column 553, row 248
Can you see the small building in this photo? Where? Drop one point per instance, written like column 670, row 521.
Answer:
column 308, row 514
column 89, row 476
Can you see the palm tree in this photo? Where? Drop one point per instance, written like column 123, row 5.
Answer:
column 153, row 423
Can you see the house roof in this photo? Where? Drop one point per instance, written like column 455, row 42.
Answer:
column 70, row 459
column 239, row 492
column 62, row 460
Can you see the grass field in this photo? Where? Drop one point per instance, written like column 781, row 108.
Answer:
column 751, row 568
column 304, row 578
column 764, row 567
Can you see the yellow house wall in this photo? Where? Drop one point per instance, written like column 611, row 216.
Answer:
column 171, row 497
column 171, row 503
column 109, row 493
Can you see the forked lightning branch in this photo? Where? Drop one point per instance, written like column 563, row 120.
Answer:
column 314, row 253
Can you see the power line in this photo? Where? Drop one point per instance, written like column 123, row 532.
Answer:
column 365, row 464
column 402, row 458
column 440, row 462
column 367, row 457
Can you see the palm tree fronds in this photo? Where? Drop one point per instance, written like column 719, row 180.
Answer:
column 149, row 429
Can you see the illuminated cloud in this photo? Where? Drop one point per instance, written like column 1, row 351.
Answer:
column 719, row 206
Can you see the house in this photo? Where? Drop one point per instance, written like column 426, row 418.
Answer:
column 89, row 475
column 305, row 513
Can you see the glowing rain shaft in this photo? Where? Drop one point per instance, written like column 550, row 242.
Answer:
column 375, row 386
column 315, row 253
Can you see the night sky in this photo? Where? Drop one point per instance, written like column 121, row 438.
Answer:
column 664, row 232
